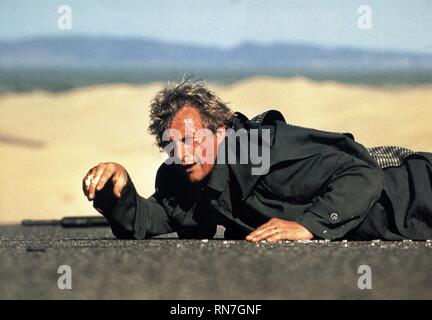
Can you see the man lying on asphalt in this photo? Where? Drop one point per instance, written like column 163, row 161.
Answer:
column 263, row 179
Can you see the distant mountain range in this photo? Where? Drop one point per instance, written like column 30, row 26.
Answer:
column 120, row 53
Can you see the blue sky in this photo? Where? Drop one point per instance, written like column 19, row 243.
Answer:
column 396, row 24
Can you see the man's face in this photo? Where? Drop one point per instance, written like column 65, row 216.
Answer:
column 195, row 164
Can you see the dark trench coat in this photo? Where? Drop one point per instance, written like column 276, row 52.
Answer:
column 325, row 181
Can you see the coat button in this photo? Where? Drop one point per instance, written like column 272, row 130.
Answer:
column 334, row 216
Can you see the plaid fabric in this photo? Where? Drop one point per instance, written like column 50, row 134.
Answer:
column 389, row 156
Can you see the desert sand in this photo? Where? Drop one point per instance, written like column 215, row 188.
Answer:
column 48, row 141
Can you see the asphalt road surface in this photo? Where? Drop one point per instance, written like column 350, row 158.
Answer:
column 105, row 268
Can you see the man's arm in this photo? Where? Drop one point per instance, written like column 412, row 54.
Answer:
column 132, row 216
column 352, row 188
column 129, row 215
column 350, row 193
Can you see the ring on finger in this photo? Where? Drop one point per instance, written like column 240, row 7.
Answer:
column 88, row 180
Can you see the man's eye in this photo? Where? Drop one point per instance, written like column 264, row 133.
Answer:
column 199, row 139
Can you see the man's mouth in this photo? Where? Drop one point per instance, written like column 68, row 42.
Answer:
column 189, row 167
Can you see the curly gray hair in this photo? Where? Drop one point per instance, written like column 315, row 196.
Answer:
column 172, row 98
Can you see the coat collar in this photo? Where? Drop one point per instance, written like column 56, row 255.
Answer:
column 218, row 177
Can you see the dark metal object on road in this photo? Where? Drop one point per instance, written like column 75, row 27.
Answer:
column 69, row 222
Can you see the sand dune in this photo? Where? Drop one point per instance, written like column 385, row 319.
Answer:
column 48, row 141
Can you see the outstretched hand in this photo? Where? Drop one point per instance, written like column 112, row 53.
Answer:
column 278, row 229
column 97, row 177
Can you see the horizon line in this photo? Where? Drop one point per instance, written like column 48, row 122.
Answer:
column 427, row 50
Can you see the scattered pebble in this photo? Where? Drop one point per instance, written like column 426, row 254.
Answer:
column 204, row 240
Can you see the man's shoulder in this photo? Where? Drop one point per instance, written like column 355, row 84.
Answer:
column 264, row 118
column 298, row 140
column 291, row 142
column 275, row 118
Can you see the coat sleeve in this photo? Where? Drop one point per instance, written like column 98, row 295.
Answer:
column 353, row 187
column 132, row 216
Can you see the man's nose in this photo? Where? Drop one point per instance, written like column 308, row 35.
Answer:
column 184, row 153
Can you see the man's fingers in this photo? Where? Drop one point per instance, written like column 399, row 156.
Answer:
column 119, row 184
column 92, row 189
column 271, row 223
column 87, row 180
column 261, row 230
column 84, row 187
column 255, row 236
column 107, row 174
column 276, row 237
column 278, row 229
column 97, row 177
